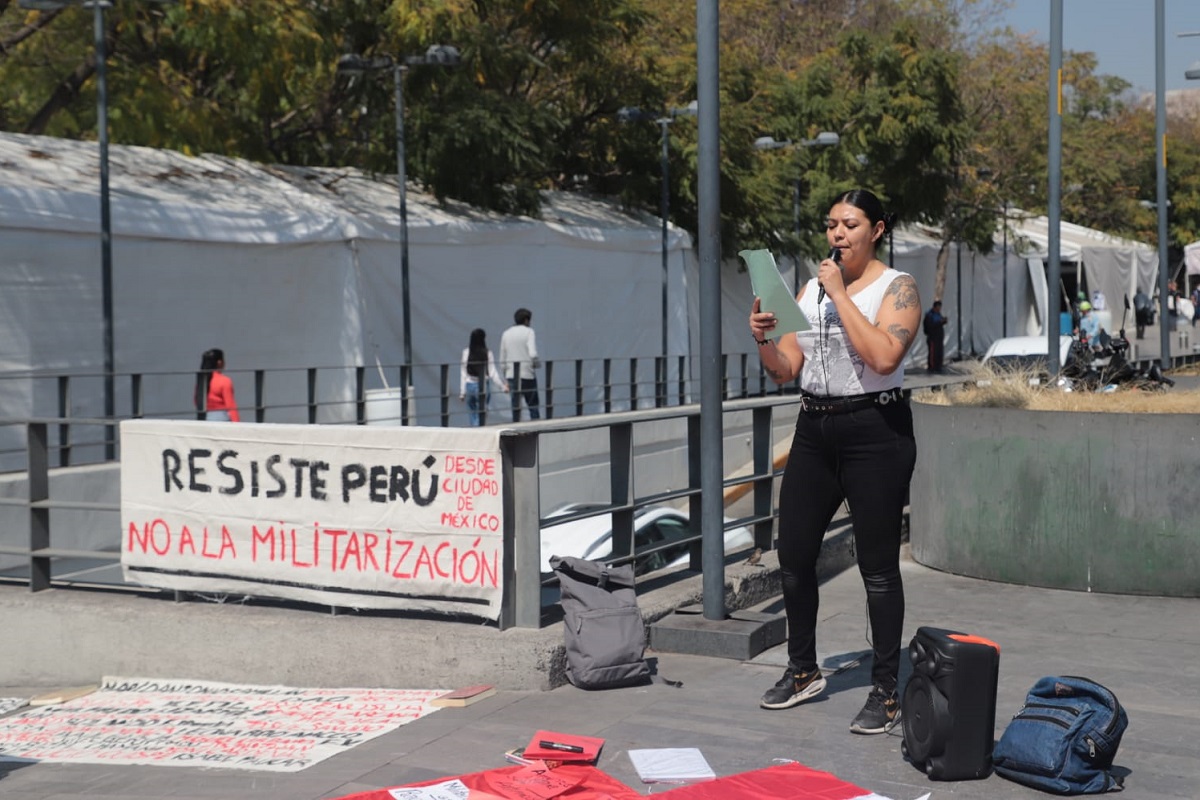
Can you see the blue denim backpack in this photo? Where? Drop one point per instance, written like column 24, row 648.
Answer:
column 1064, row 738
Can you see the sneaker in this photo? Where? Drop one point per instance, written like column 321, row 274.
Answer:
column 880, row 714
column 793, row 688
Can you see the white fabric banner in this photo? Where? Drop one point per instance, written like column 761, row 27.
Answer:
column 398, row 517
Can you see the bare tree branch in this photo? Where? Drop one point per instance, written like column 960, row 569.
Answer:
column 66, row 91
column 43, row 19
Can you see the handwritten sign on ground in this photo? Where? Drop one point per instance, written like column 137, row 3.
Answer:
column 8, row 704
column 389, row 517
column 202, row 723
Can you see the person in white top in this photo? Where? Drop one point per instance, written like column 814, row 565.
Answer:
column 854, row 442
column 477, row 371
column 518, row 353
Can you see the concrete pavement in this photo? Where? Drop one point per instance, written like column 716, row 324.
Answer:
column 1147, row 650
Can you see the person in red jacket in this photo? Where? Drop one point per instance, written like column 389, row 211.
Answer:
column 220, row 404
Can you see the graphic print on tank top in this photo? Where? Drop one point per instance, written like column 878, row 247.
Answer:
column 832, row 367
column 837, row 368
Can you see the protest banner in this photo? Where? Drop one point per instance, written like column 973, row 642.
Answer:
column 186, row 723
column 391, row 518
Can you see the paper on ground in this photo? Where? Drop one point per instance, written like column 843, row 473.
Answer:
column 671, row 765
column 773, row 293
column 450, row 790
column 208, row 724
column 8, row 704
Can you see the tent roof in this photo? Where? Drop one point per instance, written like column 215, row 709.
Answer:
column 1029, row 235
column 53, row 184
column 1033, row 236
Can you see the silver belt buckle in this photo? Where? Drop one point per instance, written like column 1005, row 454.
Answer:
column 885, row 398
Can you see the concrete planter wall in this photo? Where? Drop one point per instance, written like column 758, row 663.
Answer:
column 1069, row 500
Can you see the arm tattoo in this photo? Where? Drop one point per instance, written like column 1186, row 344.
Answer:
column 775, row 374
column 904, row 335
column 904, row 292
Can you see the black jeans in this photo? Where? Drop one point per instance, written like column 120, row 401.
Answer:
column 865, row 457
column 527, row 388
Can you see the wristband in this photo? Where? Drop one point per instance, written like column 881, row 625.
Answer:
column 762, row 342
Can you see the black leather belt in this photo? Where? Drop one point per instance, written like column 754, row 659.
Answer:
column 811, row 404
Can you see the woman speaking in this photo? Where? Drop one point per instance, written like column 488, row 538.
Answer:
column 853, row 442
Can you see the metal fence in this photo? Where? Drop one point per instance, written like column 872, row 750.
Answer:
column 526, row 599
column 384, row 395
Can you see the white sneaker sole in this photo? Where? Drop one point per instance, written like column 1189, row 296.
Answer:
column 810, row 691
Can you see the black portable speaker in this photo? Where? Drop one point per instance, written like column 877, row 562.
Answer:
column 949, row 705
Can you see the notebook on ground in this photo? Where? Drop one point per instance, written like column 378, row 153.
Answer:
column 671, row 765
column 557, row 746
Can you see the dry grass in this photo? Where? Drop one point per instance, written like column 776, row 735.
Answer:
column 1012, row 390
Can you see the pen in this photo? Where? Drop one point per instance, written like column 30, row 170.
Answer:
column 565, row 748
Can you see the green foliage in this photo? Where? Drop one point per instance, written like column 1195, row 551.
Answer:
column 941, row 115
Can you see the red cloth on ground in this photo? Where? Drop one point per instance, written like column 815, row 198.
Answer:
column 792, row 781
column 594, row 784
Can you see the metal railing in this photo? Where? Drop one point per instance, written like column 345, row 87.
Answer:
column 524, row 599
column 395, row 395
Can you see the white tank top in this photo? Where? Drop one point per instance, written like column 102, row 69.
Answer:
column 832, row 367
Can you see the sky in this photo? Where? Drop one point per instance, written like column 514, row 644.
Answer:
column 1121, row 34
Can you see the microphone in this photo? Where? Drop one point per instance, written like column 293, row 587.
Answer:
column 836, row 255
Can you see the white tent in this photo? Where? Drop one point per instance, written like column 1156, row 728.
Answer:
column 286, row 268
column 1091, row 259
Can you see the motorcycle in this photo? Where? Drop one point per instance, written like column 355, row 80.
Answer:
column 1105, row 366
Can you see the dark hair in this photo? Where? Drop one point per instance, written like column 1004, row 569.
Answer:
column 477, row 354
column 522, row 316
column 866, row 202
column 208, row 363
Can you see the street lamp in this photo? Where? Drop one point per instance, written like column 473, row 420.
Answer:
column 439, row 55
column 106, row 276
column 635, row 114
column 1192, row 73
column 823, row 139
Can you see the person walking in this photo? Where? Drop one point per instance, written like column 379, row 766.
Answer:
column 216, row 388
column 477, row 372
column 519, row 359
column 1143, row 312
column 934, row 327
column 853, row 442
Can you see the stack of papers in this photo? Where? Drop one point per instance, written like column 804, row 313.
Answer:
column 671, row 765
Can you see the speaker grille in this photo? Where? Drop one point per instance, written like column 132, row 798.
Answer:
column 926, row 711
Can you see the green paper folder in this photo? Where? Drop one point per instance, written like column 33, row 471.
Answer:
column 769, row 287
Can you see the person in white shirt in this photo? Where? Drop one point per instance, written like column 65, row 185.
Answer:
column 477, row 370
column 519, row 359
column 854, row 442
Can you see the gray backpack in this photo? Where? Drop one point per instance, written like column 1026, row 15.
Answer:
column 604, row 635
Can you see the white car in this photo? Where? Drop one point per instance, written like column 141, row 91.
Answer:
column 591, row 537
column 1025, row 354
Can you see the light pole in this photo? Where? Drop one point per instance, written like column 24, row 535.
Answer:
column 440, row 55
column 99, row 35
column 823, row 139
column 664, row 120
